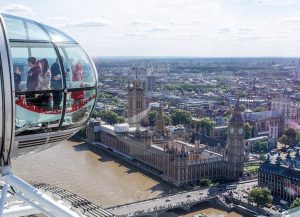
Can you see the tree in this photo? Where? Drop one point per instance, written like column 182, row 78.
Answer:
column 261, row 196
column 262, row 157
column 180, row 116
column 121, row 119
column 296, row 203
column 152, row 117
column 109, row 117
column 205, row 182
column 243, row 107
column 248, row 130
column 167, row 119
column 205, row 124
column 259, row 109
column 260, row 147
column 289, row 137
column 227, row 113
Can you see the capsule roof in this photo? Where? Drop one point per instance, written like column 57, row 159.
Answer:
column 24, row 29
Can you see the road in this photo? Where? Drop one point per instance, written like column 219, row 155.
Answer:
column 182, row 199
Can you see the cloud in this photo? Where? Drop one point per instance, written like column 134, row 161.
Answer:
column 17, row 9
column 212, row 6
column 106, row 16
column 290, row 21
column 158, row 28
column 143, row 22
column 196, row 21
column 225, row 30
column 90, row 23
column 134, row 34
column 275, row 2
column 246, row 29
column 57, row 21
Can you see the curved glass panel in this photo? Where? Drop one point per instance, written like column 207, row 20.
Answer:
column 15, row 28
column 35, row 32
column 58, row 36
column 79, row 105
column 21, row 29
column 36, row 67
column 79, row 71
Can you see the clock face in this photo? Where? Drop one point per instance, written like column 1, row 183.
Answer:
column 240, row 130
column 231, row 130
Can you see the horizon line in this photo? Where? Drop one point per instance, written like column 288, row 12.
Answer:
column 204, row 57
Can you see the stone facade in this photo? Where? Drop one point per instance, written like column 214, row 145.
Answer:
column 136, row 102
column 235, row 145
column 282, row 177
column 178, row 161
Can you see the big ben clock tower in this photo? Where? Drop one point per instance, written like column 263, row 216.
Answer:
column 235, row 145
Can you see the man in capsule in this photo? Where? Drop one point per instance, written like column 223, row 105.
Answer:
column 56, row 84
column 32, row 80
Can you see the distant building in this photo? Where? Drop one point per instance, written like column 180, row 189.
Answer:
column 151, row 83
column 281, row 176
column 270, row 123
column 136, row 99
column 219, row 132
column 250, row 142
column 139, row 73
column 282, row 105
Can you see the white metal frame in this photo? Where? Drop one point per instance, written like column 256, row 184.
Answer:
column 32, row 196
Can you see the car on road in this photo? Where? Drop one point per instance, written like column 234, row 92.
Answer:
column 188, row 195
column 168, row 200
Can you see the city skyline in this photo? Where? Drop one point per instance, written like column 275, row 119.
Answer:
column 236, row 28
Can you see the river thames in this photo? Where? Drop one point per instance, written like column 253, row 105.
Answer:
column 97, row 176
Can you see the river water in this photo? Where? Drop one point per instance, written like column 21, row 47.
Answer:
column 95, row 175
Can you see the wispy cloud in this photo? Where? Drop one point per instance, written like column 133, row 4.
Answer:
column 90, row 23
column 158, row 28
column 196, row 21
column 57, row 21
column 143, row 22
column 17, row 9
column 210, row 6
column 290, row 21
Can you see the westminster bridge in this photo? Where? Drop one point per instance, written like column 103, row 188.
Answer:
column 156, row 206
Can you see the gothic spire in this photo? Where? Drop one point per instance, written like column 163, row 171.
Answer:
column 159, row 122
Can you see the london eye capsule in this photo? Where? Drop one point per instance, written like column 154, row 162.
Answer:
column 48, row 87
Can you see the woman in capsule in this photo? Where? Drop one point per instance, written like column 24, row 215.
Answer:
column 44, row 81
column 78, row 96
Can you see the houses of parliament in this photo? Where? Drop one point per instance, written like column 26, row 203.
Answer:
column 177, row 157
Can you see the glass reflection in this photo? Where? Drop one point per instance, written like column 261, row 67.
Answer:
column 79, row 71
column 36, row 67
column 36, row 111
column 58, row 36
column 78, row 106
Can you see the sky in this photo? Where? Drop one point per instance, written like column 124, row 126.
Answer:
column 198, row 28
